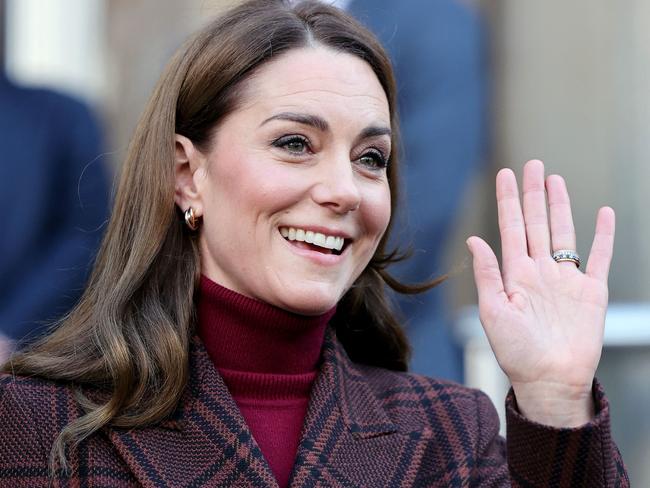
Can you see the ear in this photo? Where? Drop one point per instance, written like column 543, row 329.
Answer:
column 189, row 166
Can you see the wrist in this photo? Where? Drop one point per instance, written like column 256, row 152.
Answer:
column 555, row 404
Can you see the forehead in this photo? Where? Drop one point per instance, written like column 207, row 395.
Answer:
column 318, row 78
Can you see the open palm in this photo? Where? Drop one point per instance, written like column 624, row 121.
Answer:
column 544, row 320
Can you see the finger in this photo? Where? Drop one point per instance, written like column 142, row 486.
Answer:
column 563, row 235
column 489, row 283
column 511, row 220
column 535, row 216
column 602, row 248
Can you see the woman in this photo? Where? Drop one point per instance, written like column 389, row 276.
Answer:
column 235, row 331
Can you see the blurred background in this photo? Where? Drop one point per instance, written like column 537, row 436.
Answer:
column 511, row 80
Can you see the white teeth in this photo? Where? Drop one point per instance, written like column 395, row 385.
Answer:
column 320, row 239
column 310, row 237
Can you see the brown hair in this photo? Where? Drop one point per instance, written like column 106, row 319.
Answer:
column 130, row 332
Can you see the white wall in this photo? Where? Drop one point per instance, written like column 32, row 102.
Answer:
column 59, row 44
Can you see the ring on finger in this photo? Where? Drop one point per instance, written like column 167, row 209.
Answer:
column 567, row 255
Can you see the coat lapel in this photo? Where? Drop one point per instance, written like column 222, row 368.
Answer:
column 348, row 439
column 206, row 443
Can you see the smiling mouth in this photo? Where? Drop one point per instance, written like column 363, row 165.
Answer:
column 314, row 241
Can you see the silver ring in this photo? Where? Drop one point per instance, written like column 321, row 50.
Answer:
column 567, row 255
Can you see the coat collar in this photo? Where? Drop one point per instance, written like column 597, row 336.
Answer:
column 362, row 412
column 207, row 442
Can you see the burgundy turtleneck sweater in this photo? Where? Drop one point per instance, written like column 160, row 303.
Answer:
column 268, row 358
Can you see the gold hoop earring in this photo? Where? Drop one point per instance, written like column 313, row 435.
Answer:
column 191, row 220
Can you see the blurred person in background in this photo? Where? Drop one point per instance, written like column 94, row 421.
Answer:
column 54, row 187
column 235, row 330
column 438, row 49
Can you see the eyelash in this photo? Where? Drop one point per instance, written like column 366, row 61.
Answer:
column 284, row 141
column 379, row 161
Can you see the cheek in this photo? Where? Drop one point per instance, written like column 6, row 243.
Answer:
column 269, row 191
column 249, row 187
column 377, row 211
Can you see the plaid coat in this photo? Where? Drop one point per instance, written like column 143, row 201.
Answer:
column 365, row 427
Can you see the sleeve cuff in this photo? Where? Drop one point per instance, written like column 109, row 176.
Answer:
column 540, row 453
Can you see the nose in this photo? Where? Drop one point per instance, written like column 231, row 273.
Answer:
column 337, row 188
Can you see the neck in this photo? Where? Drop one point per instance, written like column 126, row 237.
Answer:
column 244, row 334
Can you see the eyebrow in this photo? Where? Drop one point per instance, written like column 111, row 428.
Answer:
column 375, row 131
column 306, row 119
column 322, row 125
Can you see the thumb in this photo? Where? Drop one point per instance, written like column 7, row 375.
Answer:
column 487, row 276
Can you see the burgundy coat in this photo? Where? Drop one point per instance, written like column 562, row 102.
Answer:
column 366, row 427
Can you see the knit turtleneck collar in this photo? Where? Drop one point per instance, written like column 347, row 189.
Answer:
column 246, row 335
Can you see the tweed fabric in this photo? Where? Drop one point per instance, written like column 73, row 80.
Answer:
column 268, row 357
column 365, row 427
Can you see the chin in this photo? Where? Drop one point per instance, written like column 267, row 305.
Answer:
column 309, row 301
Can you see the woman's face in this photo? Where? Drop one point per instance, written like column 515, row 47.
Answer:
column 293, row 193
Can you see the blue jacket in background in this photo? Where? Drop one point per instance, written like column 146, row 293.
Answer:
column 54, row 199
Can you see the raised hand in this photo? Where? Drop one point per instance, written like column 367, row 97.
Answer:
column 544, row 319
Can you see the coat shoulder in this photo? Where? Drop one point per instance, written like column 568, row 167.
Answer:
column 22, row 437
column 20, row 391
column 423, row 404
column 33, row 411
